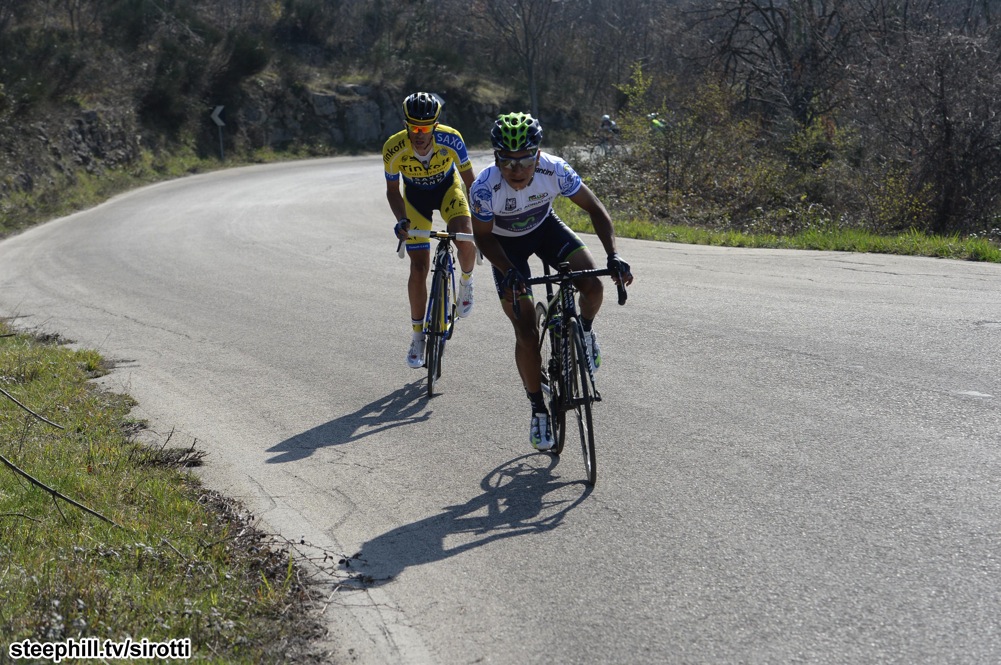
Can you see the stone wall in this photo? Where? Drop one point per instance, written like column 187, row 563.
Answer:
column 345, row 118
column 350, row 116
column 36, row 154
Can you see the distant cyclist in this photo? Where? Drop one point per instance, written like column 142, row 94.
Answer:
column 608, row 129
column 513, row 212
column 432, row 161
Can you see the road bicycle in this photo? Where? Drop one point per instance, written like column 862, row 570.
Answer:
column 604, row 144
column 567, row 371
column 439, row 318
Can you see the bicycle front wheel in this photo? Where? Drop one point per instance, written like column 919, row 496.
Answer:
column 550, row 352
column 581, row 399
column 435, row 342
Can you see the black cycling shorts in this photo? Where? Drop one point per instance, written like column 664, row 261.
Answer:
column 552, row 241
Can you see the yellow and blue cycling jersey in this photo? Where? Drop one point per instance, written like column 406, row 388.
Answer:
column 448, row 152
column 431, row 182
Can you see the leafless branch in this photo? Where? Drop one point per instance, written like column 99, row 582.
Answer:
column 55, row 493
column 42, row 418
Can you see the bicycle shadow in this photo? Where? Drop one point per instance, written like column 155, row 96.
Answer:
column 400, row 407
column 513, row 503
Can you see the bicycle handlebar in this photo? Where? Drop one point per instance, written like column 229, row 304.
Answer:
column 417, row 233
column 558, row 277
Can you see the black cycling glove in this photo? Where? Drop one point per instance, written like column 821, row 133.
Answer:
column 402, row 225
column 618, row 265
column 513, row 280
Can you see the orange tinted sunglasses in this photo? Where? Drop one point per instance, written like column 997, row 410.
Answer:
column 420, row 129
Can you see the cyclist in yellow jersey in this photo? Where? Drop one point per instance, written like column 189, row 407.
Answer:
column 431, row 160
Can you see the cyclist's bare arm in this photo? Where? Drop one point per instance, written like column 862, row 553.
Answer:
column 600, row 220
column 467, row 179
column 489, row 247
column 395, row 198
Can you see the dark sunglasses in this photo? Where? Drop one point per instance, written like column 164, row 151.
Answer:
column 420, row 129
column 511, row 163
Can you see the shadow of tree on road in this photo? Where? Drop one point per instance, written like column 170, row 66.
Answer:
column 404, row 406
column 513, row 503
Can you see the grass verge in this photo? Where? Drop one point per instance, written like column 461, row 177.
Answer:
column 912, row 243
column 145, row 551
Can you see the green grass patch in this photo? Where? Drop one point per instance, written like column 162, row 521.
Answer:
column 912, row 243
column 166, row 560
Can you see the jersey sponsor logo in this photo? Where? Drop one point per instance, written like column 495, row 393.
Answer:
column 523, row 224
column 482, row 197
column 426, row 181
column 538, row 197
column 453, row 141
column 392, row 151
column 510, row 204
column 569, row 182
column 544, row 171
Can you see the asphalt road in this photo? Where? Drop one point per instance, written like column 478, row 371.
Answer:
column 798, row 451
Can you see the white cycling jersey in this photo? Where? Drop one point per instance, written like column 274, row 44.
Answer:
column 517, row 212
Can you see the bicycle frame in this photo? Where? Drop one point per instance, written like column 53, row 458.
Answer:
column 571, row 380
column 439, row 316
column 562, row 305
column 440, row 312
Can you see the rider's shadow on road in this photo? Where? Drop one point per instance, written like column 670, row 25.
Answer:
column 404, row 406
column 513, row 503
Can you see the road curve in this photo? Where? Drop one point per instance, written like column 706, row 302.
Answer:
column 798, row 451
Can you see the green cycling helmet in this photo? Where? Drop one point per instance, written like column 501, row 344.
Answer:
column 516, row 131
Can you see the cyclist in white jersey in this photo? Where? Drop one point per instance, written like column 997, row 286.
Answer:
column 513, row 218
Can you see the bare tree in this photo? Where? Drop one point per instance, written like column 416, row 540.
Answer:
column 788, row 55
column 930, row 92
column 526, row 27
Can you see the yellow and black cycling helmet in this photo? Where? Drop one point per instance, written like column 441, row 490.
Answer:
column 516, row 131
column 421, row 108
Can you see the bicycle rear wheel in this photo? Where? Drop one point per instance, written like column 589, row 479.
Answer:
column 581, row 400
column 550, row 352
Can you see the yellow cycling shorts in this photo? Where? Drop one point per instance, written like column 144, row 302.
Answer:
column 449, row 199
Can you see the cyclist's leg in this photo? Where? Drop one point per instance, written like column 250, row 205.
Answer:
column 455, row 212
column 419, row 251
column 590, row 288
column 561, row 244
column 528, row 357
column 526, row 325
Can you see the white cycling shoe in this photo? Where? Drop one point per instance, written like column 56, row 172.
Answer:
column 415, row 356
column 464, row 302
column 539, row 433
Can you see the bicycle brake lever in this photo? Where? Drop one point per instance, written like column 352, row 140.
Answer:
column 621, row 288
